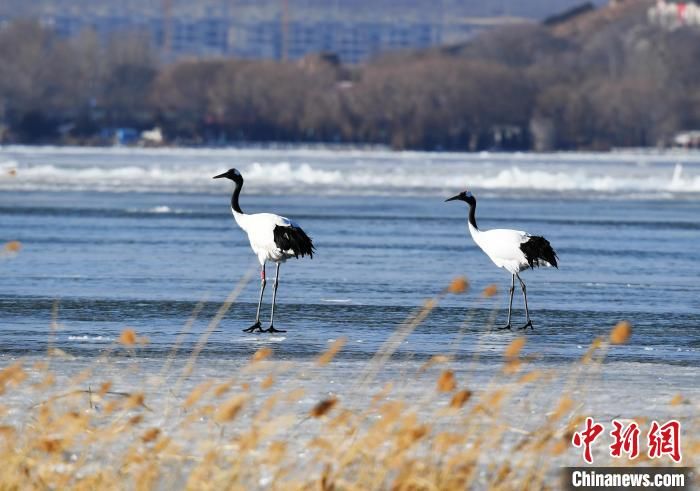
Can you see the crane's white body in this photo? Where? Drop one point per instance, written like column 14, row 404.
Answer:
column 502, row 246
column 260, row 229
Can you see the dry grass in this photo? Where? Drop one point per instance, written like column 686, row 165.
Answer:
column 270, row 424
column 10, row 249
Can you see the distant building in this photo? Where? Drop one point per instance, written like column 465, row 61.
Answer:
column 672, row 15
column 283, row 29
column 687, row 139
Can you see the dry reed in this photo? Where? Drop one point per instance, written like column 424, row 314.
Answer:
column 276, row 425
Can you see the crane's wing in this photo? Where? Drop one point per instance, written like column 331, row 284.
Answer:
column 269, row 232
column 292, row 239
column 517, row 250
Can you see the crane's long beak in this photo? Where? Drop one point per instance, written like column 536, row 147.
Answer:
column 452, row 198
column 220, row 175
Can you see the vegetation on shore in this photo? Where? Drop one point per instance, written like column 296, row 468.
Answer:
column 607, row 78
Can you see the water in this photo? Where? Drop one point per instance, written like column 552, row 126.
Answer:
column 117, row 238
column 120, row 238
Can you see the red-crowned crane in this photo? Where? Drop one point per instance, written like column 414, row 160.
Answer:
column 273, row 238
column 512, row 250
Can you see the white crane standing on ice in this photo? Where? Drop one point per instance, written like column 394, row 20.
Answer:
column 273, row 238
column 512, row 250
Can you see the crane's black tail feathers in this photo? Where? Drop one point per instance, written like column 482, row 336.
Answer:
column 539, row 252
column 293, row 239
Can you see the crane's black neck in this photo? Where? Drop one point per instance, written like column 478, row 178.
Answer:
column 471, row 201
column 236, row 193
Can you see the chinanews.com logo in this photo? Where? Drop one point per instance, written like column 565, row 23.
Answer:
column 661, row 440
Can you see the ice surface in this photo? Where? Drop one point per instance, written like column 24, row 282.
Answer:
column 351, row 172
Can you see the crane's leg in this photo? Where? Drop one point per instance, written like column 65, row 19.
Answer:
column 527, row 313
column 510, row 303
column 256, row 327
column 274, row 298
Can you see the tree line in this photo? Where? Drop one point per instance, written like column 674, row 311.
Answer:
column 614, row 81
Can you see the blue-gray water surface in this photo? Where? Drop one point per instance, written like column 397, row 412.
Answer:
column 144, row 259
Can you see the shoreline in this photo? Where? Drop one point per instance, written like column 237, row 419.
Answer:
column 350, row 147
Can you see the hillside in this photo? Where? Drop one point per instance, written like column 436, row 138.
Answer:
column 605, row 78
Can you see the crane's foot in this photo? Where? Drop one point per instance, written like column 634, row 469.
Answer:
column 254, row 328
column 528, row 324
column 507, row 326
column 272, row 329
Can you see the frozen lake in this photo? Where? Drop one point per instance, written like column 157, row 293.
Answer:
column 117, row 238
